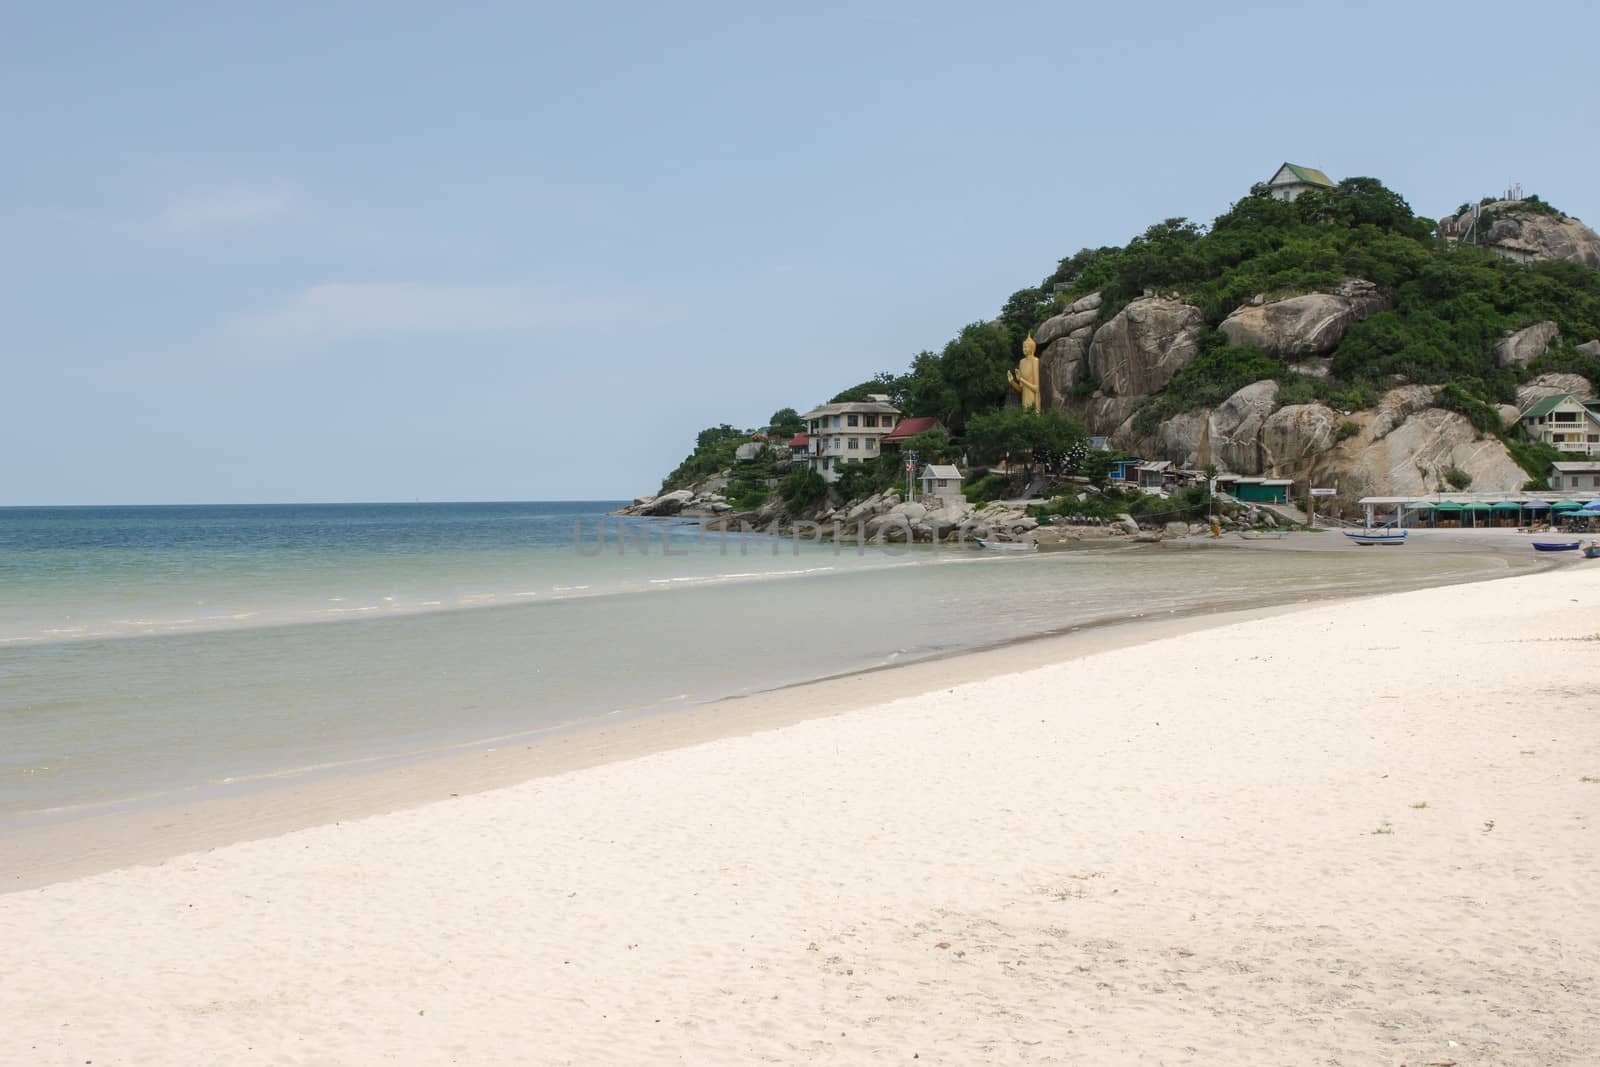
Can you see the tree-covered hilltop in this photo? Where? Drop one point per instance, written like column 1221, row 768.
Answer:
column 1400, row 306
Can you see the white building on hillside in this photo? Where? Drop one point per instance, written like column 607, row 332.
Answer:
column 1292, row 179
column 847, row 432
column 1565, row 424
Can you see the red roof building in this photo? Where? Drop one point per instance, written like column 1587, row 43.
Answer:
column 800, row 442
column 908, row 429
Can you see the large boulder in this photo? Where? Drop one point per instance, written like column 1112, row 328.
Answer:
column 1527, row 236
column 1552, row 385
column 1293, row 435
column 1062, row 366
column 1301, row 326
column 1086, row 303
column 1235, row 428
column 1521, row 347
column 668, row 503
column 1063, row 324
column 1590, row 348
column 1144, row 345
column 1412, row 458
column 1102, row 414
column 1396, row 406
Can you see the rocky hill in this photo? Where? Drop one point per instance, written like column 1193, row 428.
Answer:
column 1338, row 338
column 1529, row 231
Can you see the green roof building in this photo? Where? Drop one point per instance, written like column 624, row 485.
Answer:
column 1292, row 179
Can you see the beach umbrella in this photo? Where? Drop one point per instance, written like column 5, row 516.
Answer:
column 1536, row 505
column 1448, row 505
column 1565, row 505
column 1593, row 505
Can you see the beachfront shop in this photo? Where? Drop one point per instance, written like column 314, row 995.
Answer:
column 1262, row 490
column 1479, row 513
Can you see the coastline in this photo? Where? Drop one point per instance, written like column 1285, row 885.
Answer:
column 144, row 831
column 1358, row 831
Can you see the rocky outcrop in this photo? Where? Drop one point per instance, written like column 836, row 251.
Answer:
column 1590, row 348
column 1063, row 365
column 1301, row 326
column 1144, row 345
column 1104, row 414
column 1063, row 324
column 665, row 504
column 1295, row 434
column 1235, row 427
column 1396, row 406
column 1552, row 385
column 1412, row 458
column 1521, row 347
column 1526, row 236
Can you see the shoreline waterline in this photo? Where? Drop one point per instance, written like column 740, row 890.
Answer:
column 138, row 830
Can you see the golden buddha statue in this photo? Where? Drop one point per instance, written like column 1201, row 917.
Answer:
column 1025, row 379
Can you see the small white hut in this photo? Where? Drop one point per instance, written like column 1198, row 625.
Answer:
column 941, row 480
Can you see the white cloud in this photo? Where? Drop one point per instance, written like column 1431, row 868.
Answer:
column 344, row 310
column 219, row 209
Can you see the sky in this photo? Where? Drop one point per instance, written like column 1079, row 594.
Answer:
column 363, row 252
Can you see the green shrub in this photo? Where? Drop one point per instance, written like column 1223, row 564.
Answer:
column 993, row 486
column 803, row 488
column 1453, row 397
column 1346, row 431
column 1459, row 479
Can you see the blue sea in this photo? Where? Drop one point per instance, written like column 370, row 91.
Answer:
column 157, row 652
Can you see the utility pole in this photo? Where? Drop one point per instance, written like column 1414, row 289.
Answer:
column 911, row 477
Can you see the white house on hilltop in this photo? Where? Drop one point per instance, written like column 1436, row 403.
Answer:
column 1292, row 179
column 847, row 432
column 1564, row 423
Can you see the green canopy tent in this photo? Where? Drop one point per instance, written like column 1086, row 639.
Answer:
column 1563, row 509
column 1449, row 509
column 1479, row 510
column 1508, row 507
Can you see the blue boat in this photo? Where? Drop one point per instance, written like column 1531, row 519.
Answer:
column 1555, row 546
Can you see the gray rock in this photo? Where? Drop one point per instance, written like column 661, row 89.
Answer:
column 1413, row 457
column 1308, row 325
column 1521, row 347
column 1552, row 385
column 1176, row 529
column 1590, row 348
column 1528, row 237
column 1087, row 303
column 1144, row 345
column 1397, row 405
column 1236, row 427
column 1062, row 365
column 1294, row 434
column 1103, row 414
column 668, row 503
column 1062, row 325
column 1316, row 367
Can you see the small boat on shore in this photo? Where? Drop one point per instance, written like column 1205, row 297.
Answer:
column 1555, row 546
column 1366, row 538
column 1591, row 550
column 1006, row 546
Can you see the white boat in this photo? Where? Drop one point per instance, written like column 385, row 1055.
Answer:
column 1006, row 546
column 1377, row 537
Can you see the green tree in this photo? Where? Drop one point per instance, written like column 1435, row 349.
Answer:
column 785, row 422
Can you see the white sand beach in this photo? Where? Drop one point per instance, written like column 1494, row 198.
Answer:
column 1359, row 833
